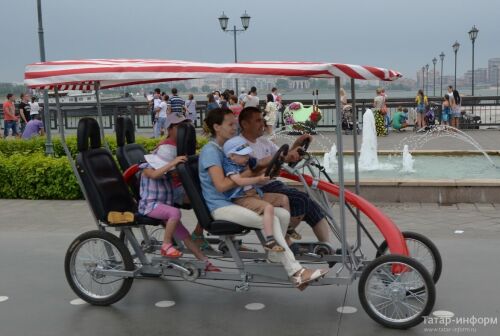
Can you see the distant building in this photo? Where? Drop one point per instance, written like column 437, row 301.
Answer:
column 299, row 83
column 480, row 76
column 493, row 69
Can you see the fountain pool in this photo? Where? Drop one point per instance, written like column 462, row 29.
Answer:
column 425, row 167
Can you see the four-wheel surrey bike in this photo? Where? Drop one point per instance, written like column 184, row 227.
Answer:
column 396, row 286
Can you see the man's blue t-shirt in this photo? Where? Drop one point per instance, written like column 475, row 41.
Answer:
column 211, row 155
column 177, row 104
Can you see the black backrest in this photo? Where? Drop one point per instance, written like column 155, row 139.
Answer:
column 128, row 153
column 127, row 156
column 124, row 128
column 102, row 180
column 186, row 139
column 188, row 173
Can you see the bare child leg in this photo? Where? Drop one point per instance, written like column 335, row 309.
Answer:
column 172, row 216
column 267, row 220
column 167, row 248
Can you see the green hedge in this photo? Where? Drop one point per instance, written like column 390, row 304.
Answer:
column 35, row 176
column 25, row 172
column 37, row 145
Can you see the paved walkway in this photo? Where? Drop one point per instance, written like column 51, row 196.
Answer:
column 34, row 236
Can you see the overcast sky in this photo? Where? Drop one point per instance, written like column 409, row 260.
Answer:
column 398, row 34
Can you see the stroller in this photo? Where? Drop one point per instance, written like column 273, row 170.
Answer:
column 347, row 120
column 430, row 120
column 430, row 117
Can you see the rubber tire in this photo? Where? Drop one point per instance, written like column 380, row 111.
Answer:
column 410, row 262
column 425, row 241
column 127, row 260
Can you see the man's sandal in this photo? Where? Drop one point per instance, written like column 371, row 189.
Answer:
column 201, row 241
column 293, row 234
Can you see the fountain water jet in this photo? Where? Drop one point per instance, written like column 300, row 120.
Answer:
column 419, row 140
column 368, row 158
column 407, row 161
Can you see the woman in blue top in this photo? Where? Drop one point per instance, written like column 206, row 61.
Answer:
column 221, row 124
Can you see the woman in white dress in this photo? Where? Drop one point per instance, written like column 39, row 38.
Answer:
column 270, row 114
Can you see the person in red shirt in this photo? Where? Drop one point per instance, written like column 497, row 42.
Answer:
column 9, row 116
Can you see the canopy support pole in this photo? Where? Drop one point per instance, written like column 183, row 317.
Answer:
column 60, row 121
column 97, row 87
column 49, row 147
column 356, row 167
column 340, row 170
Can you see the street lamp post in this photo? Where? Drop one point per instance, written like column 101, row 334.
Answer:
column 473, row 35
column 434, row 61
column 245, row 22
column 423, row 79
column 497, row 69
column 427, row 82
column 455, row 47
column 49, row 148
column 441, row 56
column 498, row 75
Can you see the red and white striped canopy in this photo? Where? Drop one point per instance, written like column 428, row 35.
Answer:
column 83, row 74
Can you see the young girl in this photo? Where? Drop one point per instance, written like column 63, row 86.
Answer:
column 422, row 102
column 160, row 190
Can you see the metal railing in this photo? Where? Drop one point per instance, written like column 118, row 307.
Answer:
column 486, row 108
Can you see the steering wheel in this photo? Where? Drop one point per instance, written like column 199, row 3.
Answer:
column 301, row 150
column 274, row 166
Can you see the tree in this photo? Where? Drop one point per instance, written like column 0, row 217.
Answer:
column 205, row 88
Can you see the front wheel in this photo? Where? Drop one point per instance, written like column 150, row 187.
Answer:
column 386, row 291
column 421, row 249
column 88, row 258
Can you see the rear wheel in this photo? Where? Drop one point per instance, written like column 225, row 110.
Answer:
column 386, row 291
column 421, row 249
column 88, row 258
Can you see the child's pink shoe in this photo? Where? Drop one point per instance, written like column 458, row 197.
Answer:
column 170, row 251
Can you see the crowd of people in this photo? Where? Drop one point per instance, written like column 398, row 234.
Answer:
column 422, row 116
column 161, row 105
column 23, row 122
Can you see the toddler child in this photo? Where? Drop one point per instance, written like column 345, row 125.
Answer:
column 247, row 194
